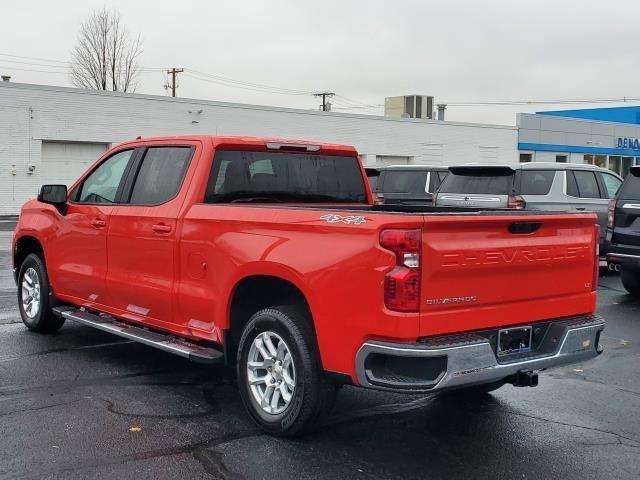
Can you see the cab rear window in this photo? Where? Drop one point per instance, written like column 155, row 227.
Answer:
column 242, row 176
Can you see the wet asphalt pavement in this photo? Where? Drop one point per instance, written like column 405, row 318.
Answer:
column 85, row 404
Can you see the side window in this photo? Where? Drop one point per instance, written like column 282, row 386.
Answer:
column 434, row 182
column 587, row 184
column 611, row 184
column 160, row 175
column 536, row 182
column 101, row 186
column 572, row 186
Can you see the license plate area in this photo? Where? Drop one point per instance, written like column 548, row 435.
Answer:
column 514, row 341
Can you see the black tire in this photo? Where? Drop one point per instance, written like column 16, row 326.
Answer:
column 631, row 281
column 43, row 320
column 312, row 395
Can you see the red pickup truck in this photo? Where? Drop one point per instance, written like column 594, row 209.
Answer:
column 272, row 256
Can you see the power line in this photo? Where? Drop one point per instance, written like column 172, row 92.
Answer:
column 33, row 70
column 240, row 83
column 545, row 102
column 341, row 102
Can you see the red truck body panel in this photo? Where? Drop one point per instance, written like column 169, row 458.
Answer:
column 176, row 266
column 495, row 278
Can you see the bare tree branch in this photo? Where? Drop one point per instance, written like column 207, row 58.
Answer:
column 104, row 57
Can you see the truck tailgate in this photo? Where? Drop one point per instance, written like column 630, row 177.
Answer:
column 488, row 271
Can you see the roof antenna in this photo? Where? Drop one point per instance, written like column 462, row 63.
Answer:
column 138, row 137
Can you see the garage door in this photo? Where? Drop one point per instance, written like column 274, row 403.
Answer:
column 64, row 162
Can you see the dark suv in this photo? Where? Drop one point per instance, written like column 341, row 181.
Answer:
column 623, row 231
column 409, row 184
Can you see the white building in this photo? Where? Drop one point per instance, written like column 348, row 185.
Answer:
column 51, row 134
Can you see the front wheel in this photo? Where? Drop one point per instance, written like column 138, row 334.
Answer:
column 33, row 296
column 279, row 376
column 631, row 281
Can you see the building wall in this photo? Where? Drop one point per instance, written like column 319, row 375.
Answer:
column 568, row 134
column 33, row 114
column 581, row 140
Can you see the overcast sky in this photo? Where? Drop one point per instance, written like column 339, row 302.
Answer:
column 362, row 50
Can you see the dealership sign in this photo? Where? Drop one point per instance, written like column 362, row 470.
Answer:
column 629, row 143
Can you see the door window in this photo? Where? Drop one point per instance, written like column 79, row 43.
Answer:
column 627, row 163
column 160, row 175
column 585, row 185
column 434, row 182
column 614, row 163
column 101, row 185
column 536, row 182
column 612, row 185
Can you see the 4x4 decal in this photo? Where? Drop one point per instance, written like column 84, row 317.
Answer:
column 349, row 220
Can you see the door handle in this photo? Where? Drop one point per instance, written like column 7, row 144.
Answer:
column 98, row 223
column 161, row 228
column 581, row 208
column 524, row 227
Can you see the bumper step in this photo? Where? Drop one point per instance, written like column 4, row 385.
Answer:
column 454, row 361
column 162, row 341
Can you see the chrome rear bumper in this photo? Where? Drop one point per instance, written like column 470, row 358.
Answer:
column 454, row 361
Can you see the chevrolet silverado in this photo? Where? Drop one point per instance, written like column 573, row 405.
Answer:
column 272, row 256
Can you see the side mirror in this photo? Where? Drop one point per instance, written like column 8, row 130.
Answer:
column 54, row 194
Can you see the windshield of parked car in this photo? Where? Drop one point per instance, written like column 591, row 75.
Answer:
column 241, row 176
column 477, row 183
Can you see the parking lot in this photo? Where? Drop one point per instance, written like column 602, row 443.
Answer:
column 84, row 404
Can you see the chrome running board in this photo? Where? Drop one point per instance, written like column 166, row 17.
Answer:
column 162, row 341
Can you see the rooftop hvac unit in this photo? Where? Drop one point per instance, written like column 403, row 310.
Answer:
column 409, row 106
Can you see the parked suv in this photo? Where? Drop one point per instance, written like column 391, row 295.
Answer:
column 410, row 184
column 623, row 231
column 532, row 186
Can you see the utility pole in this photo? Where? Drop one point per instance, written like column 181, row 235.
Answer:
column 324, row 96
column 174, row 72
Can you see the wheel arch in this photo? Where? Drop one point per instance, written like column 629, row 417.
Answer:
column 25, row 245
column 255, row 292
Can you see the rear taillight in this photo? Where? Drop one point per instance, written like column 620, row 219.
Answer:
column 596, row 261
column 516, row 201
column 611, row 213
column 402, row 283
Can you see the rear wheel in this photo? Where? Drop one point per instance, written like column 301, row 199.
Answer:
column 33, row 296
column 631, row 281
column 279, row 376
